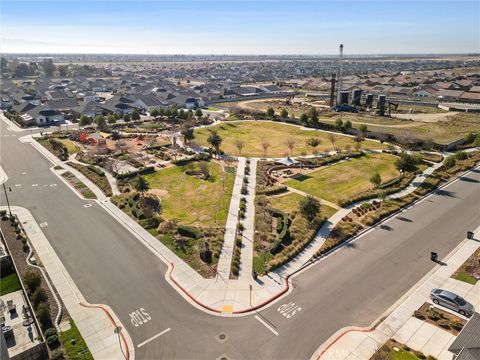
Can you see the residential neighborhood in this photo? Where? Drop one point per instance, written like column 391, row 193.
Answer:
column 271, row 180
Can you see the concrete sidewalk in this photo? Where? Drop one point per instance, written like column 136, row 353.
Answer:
column 357, row 343
column 95, row 325
column 225, row 260
column 221, row 295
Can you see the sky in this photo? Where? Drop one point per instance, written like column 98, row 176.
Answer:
column 239, row 27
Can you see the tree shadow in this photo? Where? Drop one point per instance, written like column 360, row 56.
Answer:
column 401, row 218
column 443, row 192
column 467, row 179
column 301, row 177
column 385, row 227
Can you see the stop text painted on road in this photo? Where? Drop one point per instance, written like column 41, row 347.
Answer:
column 139, row 317
column 289, row 310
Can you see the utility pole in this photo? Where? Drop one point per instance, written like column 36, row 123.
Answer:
column 6, row 197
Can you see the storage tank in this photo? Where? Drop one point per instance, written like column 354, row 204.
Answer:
column 369, row 100
column 344, row 95
column 381, row 102
column 356, row 96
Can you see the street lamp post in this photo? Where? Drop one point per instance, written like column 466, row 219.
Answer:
column 6, row 197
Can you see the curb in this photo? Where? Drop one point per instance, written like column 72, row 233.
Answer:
column 124, row 340
column 371, row 227
column 365, row 330
column 216, row 311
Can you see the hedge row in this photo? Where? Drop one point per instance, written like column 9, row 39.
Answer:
column 370, row 194
column 197, row 157
column 189, row 231
column 142, row 171
column 331, row 159
column 272, row 190
column 283, row 224
column 100, row 180
column 96, row 170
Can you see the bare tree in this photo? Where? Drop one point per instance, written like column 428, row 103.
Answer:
column 333, row 140
column 290, row 144
column 358, row 142
column 265, row 145
column 239, row 145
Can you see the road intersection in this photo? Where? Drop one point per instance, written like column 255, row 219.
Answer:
column 354, row 286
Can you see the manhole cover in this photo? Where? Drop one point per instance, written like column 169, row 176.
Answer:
column 221, row 338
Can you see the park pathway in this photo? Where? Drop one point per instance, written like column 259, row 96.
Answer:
column 246, row 256
column 225, row 261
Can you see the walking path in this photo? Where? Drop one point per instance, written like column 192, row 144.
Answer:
column 111, row 179
column 246, row 257
column 95, row 324
column 225, row 261
column 361, row 343
column 222, row 295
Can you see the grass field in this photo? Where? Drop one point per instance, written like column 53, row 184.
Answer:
column 451, row 128
column 74, row 344
column 253, row 133
column 347, row 178
column 290, row 202
column 9, row 284
column 190, row 200
column 71, row 146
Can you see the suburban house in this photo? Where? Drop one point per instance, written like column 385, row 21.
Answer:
column 42, row 115
column 466, row 346
column 149, row 102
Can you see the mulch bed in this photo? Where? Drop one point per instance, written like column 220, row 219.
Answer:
column 440, row 318
column 20, row 256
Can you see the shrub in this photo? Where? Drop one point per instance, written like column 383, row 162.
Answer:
column 52, row 341
column 449, row 162
column 57, row 355
column 419, row 354
column 240, row 227
column 39, row 296
column 455, row 324
column 244, row 190
column 461, row 155
column 43, row 315
column 443, row 323
column 238, row 241
column 33, row 280
column 50, row 332
column 418, row 314
column 189, row 231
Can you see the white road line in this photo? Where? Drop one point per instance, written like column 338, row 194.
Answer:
column 266, row 325
column 154, row 337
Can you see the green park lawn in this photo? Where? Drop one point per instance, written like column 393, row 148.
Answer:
column 346, row 178
column 9, row 283
column 71, row 146
column 190, row 200
column 290, row 202
column 252, row 133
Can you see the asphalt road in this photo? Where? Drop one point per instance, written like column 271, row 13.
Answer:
column 352, row 287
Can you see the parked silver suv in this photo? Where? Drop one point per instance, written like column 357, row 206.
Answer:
column 452, row 301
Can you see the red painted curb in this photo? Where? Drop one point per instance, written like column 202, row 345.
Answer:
column 187, row 293
column 339, row 337
column 114, row 324
column 218, row 311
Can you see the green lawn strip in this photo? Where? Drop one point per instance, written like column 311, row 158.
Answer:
column 71, row 146
column 253, row 133
column 100, row 180
column 347, row 178
column 402, row 355
column 74, row 344
column 290, row 202
column 465, row 277
column 191, row 200
column 80, row 186
column 9, row 283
